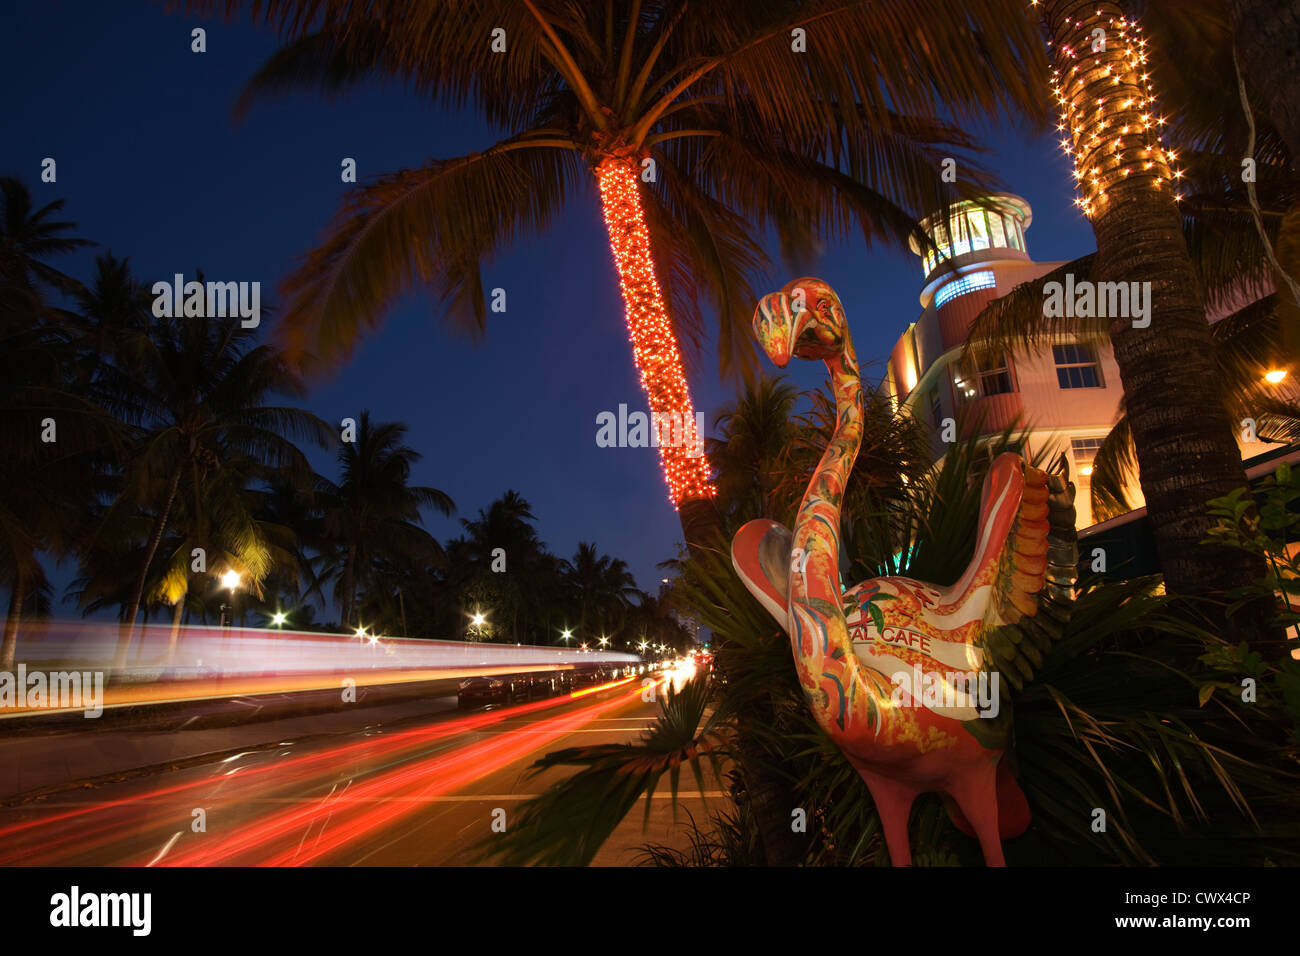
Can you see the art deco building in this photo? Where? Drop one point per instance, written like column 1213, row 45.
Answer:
column 1068, row 393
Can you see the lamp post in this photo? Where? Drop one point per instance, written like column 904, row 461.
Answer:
column 477, row 620
column 229, row 581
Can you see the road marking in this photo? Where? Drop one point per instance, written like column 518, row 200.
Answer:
column 163, row 852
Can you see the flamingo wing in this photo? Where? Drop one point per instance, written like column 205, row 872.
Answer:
column 1036, row 571
column 760, row 553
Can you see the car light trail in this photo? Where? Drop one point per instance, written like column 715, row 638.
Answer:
column 102, row 823
column 398, row 792
column 593, row 690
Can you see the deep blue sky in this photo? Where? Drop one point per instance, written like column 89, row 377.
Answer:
column 152, row 166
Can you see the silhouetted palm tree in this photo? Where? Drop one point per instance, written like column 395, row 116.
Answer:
column 46, row 430
column 196, row 390
column 374, row 512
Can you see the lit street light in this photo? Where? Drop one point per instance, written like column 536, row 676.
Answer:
column 278, row 619
column 476, row 622
column 230, row 581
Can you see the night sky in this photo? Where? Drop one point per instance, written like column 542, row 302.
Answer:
column 152, row 166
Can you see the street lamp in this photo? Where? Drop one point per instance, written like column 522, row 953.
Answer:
column 229, row 581
column 476, row 622
column 604, row 641
column 565, row 635
column 278, row 619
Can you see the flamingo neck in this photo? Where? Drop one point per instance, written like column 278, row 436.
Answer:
column 816, row 612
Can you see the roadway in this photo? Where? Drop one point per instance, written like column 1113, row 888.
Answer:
column 408, row 789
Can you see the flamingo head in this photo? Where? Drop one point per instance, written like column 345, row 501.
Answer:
column 805, row 319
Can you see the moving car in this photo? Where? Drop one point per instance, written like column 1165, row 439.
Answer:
column 494, row 689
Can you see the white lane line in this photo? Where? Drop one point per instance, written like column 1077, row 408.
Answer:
column 166, row 846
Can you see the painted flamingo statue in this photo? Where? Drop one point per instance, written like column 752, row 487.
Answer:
column 902, row 701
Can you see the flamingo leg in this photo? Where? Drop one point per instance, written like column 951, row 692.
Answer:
column 976, row 793
column 894, row 804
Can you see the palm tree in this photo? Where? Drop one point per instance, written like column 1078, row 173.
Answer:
column 29, row 236
column 374, row 512
column 602, row 587
column 1130, row 183
column 195, row 391
column 755, row 432
column 42, row 483
column 1266, row 34
column 696, row 123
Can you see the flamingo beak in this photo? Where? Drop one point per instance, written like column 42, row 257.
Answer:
column 777, row 327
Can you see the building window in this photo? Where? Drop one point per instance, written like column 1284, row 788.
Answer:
column 936, row 407
column 1077, row 366
column 994, row 374
column 979, row 234
column 991, row 376
column 1014, row 238
column 997, row 235
column 967, row 283
column 1084, row 451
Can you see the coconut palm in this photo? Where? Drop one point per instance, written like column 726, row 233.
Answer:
column 48, row 431
column 700, row 125
column 196, row 390
column 603, row 589
column 1130, row 181
column 373, row 512
column 755, row 432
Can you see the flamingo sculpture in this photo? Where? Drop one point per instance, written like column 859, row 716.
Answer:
column 900, row 701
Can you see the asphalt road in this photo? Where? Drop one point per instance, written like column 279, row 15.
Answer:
column 408, row 792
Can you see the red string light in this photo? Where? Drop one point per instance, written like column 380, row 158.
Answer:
column 654, row 347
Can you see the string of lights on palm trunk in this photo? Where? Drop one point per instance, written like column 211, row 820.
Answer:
column 1102, row 85
column 654, row 346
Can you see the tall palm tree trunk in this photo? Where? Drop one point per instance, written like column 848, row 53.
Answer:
column 159, row 525
column 348, row 574
column 9, row 649
column 1185, row 448
column 173, row 639
column 654, row 347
